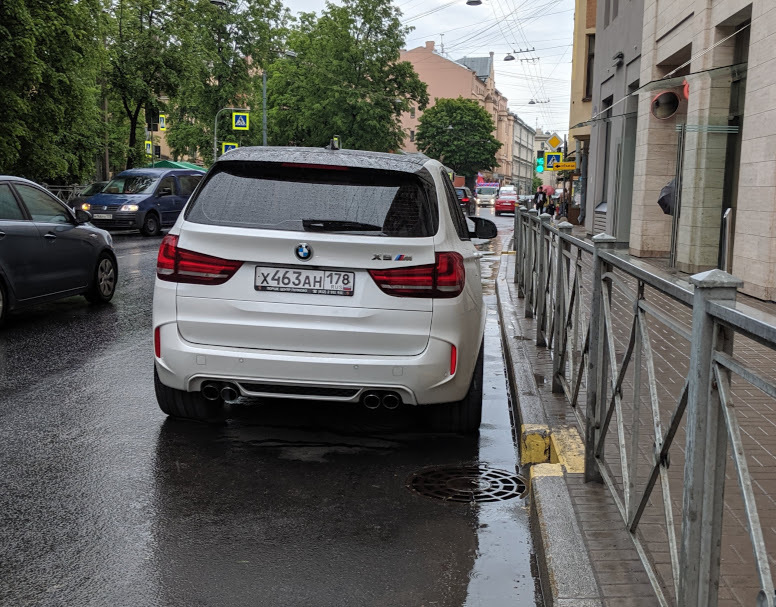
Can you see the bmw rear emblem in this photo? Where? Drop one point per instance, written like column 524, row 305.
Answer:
column 303, row 251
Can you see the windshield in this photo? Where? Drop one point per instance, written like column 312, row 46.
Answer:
column 278, row 196
column 93, row 189
column 487, row 191
column 131, row 184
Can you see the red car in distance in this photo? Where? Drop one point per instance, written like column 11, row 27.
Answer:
column 505, row 204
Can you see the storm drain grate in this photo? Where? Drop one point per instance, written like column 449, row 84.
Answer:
column 467, row 484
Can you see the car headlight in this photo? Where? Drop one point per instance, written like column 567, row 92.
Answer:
column 129, row 207
column 86, row 207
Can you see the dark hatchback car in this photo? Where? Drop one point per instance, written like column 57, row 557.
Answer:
column 466, row 198
column 93, row 188
column 143, row 199
column 48, row 251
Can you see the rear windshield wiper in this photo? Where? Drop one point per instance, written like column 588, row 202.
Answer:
column 336, row 225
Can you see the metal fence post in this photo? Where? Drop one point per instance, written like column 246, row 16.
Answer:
column 596, row 364
column 559, row 313
column 706, row 448
column 541, row 281
column 518, row 238
column 528, row 273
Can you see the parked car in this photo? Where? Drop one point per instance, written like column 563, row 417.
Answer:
column 90, row 190
column 48, row 251
column 335, row 275
column 466, row 199
column 505, row 204
column 143, row 199
column 486, row 195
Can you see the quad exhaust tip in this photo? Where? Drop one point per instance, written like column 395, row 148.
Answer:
column 229, row 392
column 212, row 390
column 389, row 400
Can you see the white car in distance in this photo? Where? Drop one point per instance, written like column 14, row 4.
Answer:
column 332, row 275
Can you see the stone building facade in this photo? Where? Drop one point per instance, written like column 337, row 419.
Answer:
column 470, row 78
column 523, row 156
column 718, row 58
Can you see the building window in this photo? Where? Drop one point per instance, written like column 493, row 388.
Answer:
column 412, row 112
column 412, row 135
column 589, row 67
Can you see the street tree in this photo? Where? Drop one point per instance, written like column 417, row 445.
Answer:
column 459, row 133
column 346, row 79
column 146, row 60
column 49, row 60
column 224, row 50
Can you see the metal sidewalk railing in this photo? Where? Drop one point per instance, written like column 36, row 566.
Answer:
column 601, row 312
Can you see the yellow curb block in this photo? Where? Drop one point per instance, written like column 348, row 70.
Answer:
column 534, row 444
column 541, row 470
column 569, row 450
column 564, row 446
column 507, row 252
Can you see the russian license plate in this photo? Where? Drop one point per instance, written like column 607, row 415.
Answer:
column 102, row 216
column 317, row 282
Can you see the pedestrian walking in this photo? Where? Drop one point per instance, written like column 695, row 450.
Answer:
column 540, row 199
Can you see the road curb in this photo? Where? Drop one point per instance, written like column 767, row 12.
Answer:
column 565, row 571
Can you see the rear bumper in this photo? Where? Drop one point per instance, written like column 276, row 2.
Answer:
column 505, row 208
column 421, row 379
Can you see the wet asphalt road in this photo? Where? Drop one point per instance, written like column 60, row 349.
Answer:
column 103, row 501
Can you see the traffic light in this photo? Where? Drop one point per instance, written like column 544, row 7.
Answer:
column 540, row 161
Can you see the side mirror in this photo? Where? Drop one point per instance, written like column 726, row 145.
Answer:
column 165, row 192
column 483, row 228
column 82, row 216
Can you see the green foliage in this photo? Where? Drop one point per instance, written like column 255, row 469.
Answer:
column 223, row 51
column 49, row 60
column 537, row 181
column 469, row 146
column 346, row 79
column 146, row 59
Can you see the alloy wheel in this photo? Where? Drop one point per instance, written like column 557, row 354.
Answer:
column 106, row 277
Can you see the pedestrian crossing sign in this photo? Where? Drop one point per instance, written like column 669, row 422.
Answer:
column 240, row 121
column 551, row 159
column 149, row 148
column 162, row 122
column 225, row 147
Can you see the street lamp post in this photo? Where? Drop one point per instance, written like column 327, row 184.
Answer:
column 215, row 127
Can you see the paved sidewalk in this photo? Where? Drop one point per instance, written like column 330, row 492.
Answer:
column 619, row 573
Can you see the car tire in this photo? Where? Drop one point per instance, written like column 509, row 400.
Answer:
column 106, row 276
column 465, row 415
column 151, row 225
column 187, row 405
column 498, row 212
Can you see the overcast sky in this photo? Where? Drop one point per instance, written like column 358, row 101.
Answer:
column 500, row 26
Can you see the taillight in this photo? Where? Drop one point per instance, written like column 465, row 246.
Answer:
column 464, row 200
column 180, row 265
column 444, row 279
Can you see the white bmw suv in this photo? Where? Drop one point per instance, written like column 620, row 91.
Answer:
column 333, row 275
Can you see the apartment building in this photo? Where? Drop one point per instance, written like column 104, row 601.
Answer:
column 470, row 78
column 523, row 155
column 684, row 92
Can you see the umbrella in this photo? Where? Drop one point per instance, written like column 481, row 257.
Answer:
column 667, row 198
column 548, row 189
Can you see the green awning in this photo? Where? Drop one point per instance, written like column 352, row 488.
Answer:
column 172, row 164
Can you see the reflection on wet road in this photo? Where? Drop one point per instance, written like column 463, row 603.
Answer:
column 103, row 501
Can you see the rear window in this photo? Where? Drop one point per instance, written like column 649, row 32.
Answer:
column 276, row 196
